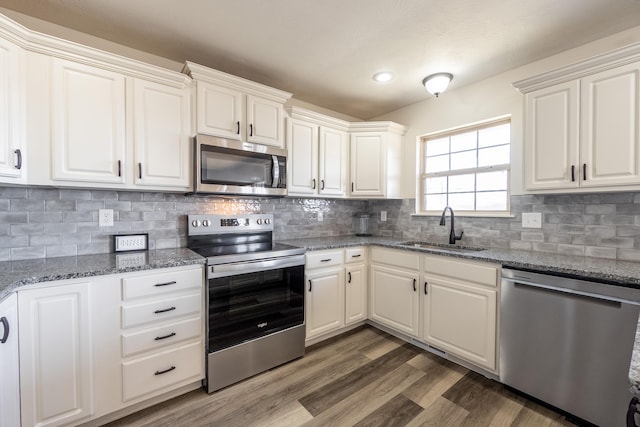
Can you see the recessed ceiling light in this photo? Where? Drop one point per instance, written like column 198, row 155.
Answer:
column 383, row 76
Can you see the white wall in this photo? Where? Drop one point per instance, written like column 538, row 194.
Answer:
column 487, row 99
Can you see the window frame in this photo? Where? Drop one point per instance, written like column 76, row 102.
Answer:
column 422, row 174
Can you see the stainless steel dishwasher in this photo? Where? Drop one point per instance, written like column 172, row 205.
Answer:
column 568, row 342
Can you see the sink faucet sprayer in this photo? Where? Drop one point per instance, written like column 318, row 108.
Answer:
column 452, row 233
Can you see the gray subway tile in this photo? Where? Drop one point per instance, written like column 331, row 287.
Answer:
column 60, row 205
column 61, row 250
column 46, row 217
column 598, row 252
column 28, row 252
column 26, row 205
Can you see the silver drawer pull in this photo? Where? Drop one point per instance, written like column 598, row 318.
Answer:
column 165, row 371
column 325, row 260
column 164, row 310
column 164, row 337
column 166, row 284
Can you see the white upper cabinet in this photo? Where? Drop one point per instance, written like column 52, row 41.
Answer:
column 162, row 141
column 11, row 114
column 610, row 127
column 582, row 125
column 376, row 160
column 231, row 107
column 317, row 154
column 88, row 121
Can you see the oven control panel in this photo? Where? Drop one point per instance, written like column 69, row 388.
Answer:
column 216, row 224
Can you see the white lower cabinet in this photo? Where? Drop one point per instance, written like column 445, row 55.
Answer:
column 393, row 281
column 336, row 290
column 459, row 308
column 56, row 373
column 10, row 364
column 89, row 348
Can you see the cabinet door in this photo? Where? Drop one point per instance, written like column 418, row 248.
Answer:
column 302, row 146
column 55, row 354
column 460, row 319
column 9, row 368
column 368, row 164
column 219, row 111
column 333, row 162
column 161, row 120
column 325, row 301
column 355, row 294
column 264, row 121
column 610, row 129
column 551, row 137
column 88, row 114
column 394, row 298
column 11, row 118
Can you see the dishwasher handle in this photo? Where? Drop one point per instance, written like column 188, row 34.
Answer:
column 563, row 291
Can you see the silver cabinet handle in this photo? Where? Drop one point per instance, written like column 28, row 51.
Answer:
column 18, row 154
column 5, row 326
column 309, row 285
column 349, row 281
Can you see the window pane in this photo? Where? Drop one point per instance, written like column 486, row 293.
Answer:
column 435, row 185
column 464, row 160
column 494, row 156
column 437, row 146
column 492, row 201
column 435, row 202
column 462, row 183
column 464, row 141
column 492, row 181
column 496, row 135
column 462, row 201
column 437, row 164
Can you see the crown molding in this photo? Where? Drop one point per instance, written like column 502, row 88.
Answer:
column 317, row 118
column 606, row 61
column 379, row 126
column 33, row 41
column 209, row 75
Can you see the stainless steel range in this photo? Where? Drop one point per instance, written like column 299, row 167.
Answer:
column 255, row 300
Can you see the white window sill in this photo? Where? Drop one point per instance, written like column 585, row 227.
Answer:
column 468, row 214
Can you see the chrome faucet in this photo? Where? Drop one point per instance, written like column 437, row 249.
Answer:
column 452, row 233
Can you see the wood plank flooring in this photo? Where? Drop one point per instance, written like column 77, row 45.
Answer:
column 362, row 378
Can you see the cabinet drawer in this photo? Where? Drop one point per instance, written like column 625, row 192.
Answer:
column 158, row 310
column 323, row 258
column 397, row 258
column 354, row 255
column 157, row 372
column 161, row 336
column 161, row 283
column 467, row 271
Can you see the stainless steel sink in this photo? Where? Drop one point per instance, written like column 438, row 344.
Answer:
column 442, row 246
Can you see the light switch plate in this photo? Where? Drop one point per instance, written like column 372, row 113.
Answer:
column 531, row 220
column 383, row 216
column 131, row 242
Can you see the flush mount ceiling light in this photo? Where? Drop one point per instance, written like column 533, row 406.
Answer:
column 437, row 83
column 383, row 76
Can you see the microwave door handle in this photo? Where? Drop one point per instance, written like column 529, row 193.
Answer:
column 276, row 172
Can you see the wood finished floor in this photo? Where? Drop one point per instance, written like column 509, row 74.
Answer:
column 362, row 378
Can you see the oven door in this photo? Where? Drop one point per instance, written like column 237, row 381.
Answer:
column 247, row 301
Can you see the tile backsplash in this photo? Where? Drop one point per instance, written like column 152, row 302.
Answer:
column 44, row 222
column 40, row 222
column 603, row 225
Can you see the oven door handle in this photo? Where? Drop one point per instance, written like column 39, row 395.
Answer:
column 221, row 270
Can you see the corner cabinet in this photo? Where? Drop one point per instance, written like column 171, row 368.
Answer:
column 376, row 160
column 582, row 125
column 459, row 308
column 12, row 151
column 317, row 160
column 231, row 107
column 10, row 366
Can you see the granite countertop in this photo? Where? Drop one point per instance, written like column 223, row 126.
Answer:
column 14, row 274
column 621, row 273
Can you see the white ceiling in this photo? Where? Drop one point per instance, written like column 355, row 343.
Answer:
column 325, row 51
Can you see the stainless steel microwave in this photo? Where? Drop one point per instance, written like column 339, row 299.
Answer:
column 224, row 166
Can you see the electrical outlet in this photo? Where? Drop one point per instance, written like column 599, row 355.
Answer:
column 531, row 220
column 320, row 216
column 383, row 216
column 105, row 217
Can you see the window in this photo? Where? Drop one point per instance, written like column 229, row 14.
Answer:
column 467, row 169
